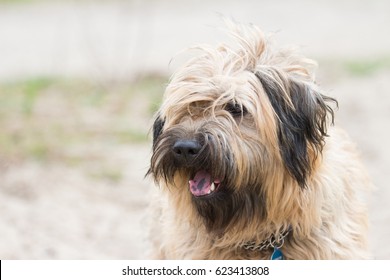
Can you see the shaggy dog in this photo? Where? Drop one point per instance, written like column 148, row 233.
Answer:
column 248, row 163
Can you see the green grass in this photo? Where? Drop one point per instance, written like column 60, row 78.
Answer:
column 48, row 119
column 107, row 174
column 365, row 67
column 31, row 89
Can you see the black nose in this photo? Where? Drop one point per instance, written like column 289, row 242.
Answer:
column 186, row 150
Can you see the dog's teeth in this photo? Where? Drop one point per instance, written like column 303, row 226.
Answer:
column 212, row 188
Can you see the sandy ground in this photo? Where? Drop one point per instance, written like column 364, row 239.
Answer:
column 49, row 211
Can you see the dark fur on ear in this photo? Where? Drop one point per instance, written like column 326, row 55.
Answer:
column 303, row 116
column 158, row 126
column 157, row 129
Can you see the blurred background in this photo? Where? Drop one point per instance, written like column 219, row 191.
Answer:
column 80, row 81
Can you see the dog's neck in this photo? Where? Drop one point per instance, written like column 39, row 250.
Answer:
column 274, row 241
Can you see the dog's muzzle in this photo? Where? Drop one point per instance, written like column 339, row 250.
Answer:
column 186, row 152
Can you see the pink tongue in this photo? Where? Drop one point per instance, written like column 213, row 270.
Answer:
column 201, row 183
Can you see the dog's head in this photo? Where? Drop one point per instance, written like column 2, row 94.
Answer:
column 236, row 125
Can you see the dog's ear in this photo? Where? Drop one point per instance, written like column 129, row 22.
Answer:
column 157, row 128
column 303, row 115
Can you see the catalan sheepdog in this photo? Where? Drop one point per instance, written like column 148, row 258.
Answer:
column 248, row 162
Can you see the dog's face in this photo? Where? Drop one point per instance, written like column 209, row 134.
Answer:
column 233, row 128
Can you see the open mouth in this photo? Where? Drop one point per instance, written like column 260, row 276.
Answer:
column 203, row 185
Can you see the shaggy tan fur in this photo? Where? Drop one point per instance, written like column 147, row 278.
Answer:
column 262, row 127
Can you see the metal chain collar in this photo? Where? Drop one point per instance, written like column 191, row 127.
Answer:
column 271, row 242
